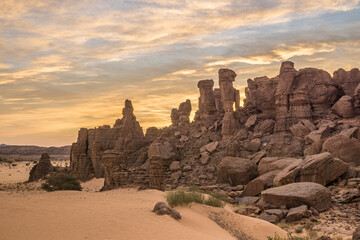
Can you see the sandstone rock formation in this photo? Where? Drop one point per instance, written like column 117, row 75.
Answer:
column 348, row 80
column 86, row 160
column 284, row 120
column 40, row 170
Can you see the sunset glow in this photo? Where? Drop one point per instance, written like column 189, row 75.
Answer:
column 71, row 64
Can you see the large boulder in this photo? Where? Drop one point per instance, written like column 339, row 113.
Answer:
column 41, row 169
column 289, row 174
column 322, row 168
column 344, row 107
column 347, row 149
column 269, row 164
column 236, row 171
column 296, row 194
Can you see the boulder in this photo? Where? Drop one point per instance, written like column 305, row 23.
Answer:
column 350, row 132
column 317, row 135
column 272, row 218
column 347, row 149
column 284, row 145
column 298, row 213
column 175, row 166
column 236, row 171
column 269, row 164
column 299, row 130
column 322, row 168
column 163, row 150
column 267, row 126
column 344, row 107
column 253, row 145
column 251, row 121
column 40, row 170
column 297, row 194
column 289, row 174
column 259, row 184
column 162, row 208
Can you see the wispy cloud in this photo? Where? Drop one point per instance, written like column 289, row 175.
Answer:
column 71, row 64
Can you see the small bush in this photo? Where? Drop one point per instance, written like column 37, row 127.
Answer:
column 215, row 202
column 34, row 162
column 14, row 164
column 299, row 229
column 182, row 198
column 61, row 181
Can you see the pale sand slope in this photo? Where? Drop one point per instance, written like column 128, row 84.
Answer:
column 117, row 214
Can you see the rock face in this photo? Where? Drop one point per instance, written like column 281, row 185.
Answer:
column 297, row 194
column 86, row 159
column 41, row 169
column 236, row 171
column 286, row 120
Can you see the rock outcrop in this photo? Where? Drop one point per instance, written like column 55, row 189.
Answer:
column 126, row 136
column 40, row 170
column 300, row 126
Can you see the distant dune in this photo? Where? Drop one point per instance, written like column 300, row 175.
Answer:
column 33, row 150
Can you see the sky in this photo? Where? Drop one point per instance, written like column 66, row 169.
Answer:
column 70, row 64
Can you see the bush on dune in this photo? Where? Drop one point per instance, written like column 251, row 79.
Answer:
column 182, row 198
column 61, row 181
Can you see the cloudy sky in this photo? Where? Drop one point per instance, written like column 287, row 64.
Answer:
column 70, row 64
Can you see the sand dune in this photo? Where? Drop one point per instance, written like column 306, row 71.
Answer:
column 117, row 214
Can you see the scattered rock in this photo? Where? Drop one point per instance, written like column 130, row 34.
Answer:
column 162, row 208
column 298, row 213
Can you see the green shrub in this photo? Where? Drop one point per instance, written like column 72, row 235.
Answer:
column 61, row 181
column 14, row 164
column 215, row 202
column 181, row 198
column 299, row 229
column 34, row 162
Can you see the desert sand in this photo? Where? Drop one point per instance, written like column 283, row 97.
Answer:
column 116, row 214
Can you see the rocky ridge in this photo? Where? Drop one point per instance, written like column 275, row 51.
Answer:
column 300, row 127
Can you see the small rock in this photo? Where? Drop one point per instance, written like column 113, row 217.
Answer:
column 297, row 213
column 162, row 208
column 175, row 166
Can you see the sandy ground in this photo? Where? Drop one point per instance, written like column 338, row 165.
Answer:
column 117, row 214
column 20, row 172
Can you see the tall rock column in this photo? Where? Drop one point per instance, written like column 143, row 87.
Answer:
column 282, row 96
column 207, row 100
column 228, row 97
